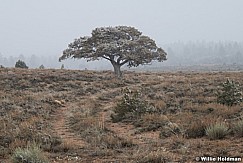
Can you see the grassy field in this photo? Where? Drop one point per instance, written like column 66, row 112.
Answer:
column 68, row 114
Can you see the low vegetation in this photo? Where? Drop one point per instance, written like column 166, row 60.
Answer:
column 238, row 128
column 87, row 116
column 31, row 154
column 217, row 131
column 230, row 93
column 131, row 106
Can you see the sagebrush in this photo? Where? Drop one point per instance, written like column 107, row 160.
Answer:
column 230, row 93
column 31, row 154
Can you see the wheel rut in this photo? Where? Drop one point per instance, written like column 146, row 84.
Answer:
column 62, row 128
column 125, row 131
column 61, row 125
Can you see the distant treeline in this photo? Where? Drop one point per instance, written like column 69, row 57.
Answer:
column 179, row 54
column 35, row 61
column 195, row 53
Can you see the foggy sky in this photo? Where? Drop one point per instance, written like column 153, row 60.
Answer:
column 46, row 27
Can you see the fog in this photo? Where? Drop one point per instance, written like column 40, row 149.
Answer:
column 43, row 29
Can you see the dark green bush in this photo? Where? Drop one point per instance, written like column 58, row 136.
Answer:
column 132, row 105
column 20, row 64
column 230, row 93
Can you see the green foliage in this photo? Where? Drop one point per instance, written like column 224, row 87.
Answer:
column 230, row 93
column 238, row 128
column 217, row 131
column 131, row 105
column 121, row 45
column 21, row 64
column 31, row 154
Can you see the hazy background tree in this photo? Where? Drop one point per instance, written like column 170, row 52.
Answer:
column 121, row 45
column 42, row 67
column 21, row 64
column 33, row 61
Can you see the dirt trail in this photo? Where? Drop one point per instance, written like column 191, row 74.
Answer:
column 123, row 130
column 126, row 131
column 61, row 128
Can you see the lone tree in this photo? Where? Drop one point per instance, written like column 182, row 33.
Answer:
column 120, row 45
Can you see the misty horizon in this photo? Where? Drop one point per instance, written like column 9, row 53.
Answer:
column 205, row 54
column 45, row 28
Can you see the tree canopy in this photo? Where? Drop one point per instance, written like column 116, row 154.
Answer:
column 120, row 45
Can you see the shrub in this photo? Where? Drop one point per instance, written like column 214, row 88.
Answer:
column 151, row 122
column 169, row 129
column 230, row 93
column 196, row 130
column 21, row 64
column 152, row 157
column 131, row 105
column 42, row 67
column 31, row 154
column 238, row 128
column 217, row 131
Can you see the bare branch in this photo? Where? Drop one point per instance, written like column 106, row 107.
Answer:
column 106, row 58
column 124, row 62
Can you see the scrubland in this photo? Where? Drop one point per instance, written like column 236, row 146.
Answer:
column 68, row 114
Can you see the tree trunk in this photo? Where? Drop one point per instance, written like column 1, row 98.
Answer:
column 117, row 69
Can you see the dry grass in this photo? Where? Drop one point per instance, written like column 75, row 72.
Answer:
column 185, row 105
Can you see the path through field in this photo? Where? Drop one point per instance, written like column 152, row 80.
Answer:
column 125, row 131
column 61, row 128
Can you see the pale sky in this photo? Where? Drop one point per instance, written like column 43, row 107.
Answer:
column 45, row 27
